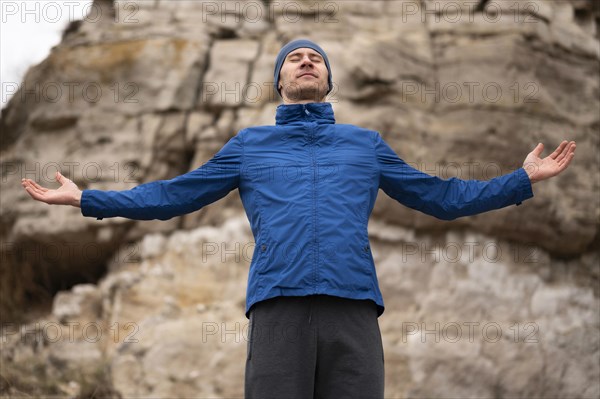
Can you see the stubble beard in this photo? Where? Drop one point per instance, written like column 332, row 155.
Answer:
column 307, row 91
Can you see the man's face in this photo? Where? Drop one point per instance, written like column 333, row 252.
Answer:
column 303, row 77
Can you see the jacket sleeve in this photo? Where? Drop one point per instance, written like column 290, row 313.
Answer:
column 451, row 198
column 165, row 199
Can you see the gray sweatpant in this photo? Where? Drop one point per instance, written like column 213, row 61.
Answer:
column 316, row 346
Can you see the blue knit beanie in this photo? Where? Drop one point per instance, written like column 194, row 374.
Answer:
column 296, row 44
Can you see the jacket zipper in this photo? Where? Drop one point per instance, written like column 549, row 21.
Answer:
column 314, row 195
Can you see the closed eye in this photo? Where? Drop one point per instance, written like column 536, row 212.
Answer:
column 298, row 57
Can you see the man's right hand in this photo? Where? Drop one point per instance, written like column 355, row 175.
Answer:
column 67, row 194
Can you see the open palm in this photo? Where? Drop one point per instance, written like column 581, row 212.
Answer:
column 542, row 168
column 67, row 194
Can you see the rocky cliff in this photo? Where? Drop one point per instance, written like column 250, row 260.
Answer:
column 502, row 304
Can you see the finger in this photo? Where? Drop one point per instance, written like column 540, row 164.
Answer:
column 537, row 151
column 27, row 187
column 566, row 151
column 36, row 190
column 35, row 195
column 26, row 184
column 29, row 191
column 37, row 186
column 565, row 163
column 559, row 149
column 27, row 181
column 569, row 155
column 62, row 179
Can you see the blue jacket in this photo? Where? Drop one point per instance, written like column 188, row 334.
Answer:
column 308, row 186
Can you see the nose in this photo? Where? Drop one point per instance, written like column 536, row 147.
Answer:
column 305, row 61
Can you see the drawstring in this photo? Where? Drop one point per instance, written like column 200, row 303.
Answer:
column 310, row 309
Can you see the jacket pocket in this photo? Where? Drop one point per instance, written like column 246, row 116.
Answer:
column 262, row 253
column 365, row 247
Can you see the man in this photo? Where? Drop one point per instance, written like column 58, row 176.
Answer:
column 308, row 186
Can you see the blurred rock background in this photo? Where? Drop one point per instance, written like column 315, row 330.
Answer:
column 503, row 304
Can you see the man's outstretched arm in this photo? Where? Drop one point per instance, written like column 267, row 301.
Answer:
column 452, row 198
column 162, row 199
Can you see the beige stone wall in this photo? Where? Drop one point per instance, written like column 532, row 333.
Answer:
column 503, row 304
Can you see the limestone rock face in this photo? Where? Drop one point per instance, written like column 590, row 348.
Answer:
column 502, row 304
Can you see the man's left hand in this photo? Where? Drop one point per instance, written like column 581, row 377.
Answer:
column 539, row 169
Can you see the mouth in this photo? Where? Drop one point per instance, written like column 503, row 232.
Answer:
column 307, row 74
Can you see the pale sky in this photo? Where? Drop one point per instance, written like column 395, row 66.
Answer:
column 28, row 30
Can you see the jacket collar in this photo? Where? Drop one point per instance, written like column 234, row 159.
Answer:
column 311, row 112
